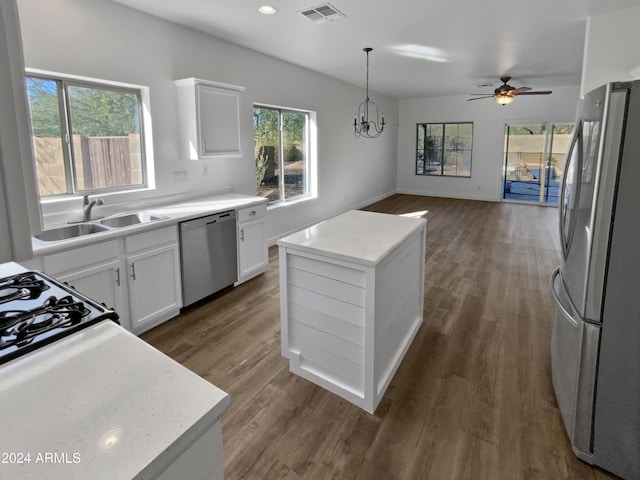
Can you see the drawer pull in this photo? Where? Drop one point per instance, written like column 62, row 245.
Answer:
column 252, row 213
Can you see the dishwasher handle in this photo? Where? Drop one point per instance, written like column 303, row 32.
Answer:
column 201, row 222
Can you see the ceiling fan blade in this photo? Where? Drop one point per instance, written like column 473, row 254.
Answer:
column 539, row 92
column 479, row 98
column 484, row 94
column 520, row 90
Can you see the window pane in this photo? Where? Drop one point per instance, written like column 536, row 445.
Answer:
column 434, row 135
column 105, row 128
column 267, row 140
column 420, row 162
column 465, row 135
column 47, row 135
column 434, row 162
column 295, row 153
column 447, row 149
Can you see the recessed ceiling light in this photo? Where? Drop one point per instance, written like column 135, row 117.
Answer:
column 267, row 10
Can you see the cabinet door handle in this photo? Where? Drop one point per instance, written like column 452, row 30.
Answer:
column 133, row 270
column 242, row 234
column 118, row 276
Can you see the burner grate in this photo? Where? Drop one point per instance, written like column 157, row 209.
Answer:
column 19, row 327
column 36, row 310
column 24, row 286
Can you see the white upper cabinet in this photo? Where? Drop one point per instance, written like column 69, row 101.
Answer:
column 209, row 118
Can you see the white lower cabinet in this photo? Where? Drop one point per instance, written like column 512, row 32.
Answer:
column 101, row 282
column 154, row 277
column 138, row 275
column 252, row 247
column 95, row 270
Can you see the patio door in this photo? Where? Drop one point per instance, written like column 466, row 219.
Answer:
column 533, row 161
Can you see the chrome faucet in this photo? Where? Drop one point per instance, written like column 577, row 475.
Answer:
column 87, row 206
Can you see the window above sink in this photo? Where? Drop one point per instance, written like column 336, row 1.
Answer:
column 89, row 135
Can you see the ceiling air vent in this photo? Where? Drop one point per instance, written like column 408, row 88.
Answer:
column 322, row 13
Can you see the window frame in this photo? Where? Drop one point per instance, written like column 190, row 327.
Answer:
column 308, row 178
column 441, row 150
column 63, row 83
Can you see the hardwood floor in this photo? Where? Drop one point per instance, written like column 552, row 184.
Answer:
column 472, row 399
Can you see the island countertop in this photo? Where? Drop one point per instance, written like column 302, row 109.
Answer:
column 101, row 404
column 357, row 236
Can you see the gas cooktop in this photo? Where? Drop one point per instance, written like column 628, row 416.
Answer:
column 36, row 309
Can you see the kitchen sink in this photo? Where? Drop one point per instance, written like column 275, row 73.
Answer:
column 129, row 219
column 70, row 231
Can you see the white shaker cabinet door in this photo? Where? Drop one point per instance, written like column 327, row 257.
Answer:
column 154, row 285
column 218, row 122
column 252, row 249
column 103, row 283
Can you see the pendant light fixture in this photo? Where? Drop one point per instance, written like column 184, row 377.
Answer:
column 366, row 122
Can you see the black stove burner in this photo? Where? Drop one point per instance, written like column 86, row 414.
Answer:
column 22, row 286
column 19, row 327
column 36, row 310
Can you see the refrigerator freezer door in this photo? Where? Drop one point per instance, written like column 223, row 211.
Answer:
column 574, row 350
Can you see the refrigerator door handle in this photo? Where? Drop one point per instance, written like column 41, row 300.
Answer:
column 559, row 304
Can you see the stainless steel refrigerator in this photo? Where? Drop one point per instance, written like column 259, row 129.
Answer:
column 595, row 344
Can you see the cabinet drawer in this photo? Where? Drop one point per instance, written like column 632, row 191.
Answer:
column 252, row 213
column 152, row 238
column 80, row 257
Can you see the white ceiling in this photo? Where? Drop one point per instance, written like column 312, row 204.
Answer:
column 464, row 43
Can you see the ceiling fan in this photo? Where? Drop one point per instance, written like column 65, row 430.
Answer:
column 506, row 94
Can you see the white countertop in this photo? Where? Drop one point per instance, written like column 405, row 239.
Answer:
column 10, row 268
column 174, row 213
column 357, row 236
column 207, row 205
column 108, row 404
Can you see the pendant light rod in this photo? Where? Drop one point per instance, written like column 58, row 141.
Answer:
column 367, row 49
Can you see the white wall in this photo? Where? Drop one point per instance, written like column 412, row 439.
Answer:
column 611, row 48
column 489, row 120
column 101, row 39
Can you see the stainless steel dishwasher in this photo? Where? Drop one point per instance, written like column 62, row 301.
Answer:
column 208, row 252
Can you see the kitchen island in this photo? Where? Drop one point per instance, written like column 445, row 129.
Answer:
column 102, row 404
column 351, row 301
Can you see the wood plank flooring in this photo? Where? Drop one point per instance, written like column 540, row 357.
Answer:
column 472, row 399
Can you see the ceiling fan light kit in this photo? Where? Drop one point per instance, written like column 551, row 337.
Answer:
column 364, row 125
column 504, row 99
column 505, row 94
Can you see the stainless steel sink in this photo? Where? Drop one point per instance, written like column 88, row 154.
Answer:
column 129, row 219
column 70, row 231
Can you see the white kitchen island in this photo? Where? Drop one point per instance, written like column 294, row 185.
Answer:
column 351, row 301
column 103, row 404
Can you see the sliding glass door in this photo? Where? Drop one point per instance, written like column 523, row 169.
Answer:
column 533, row 161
